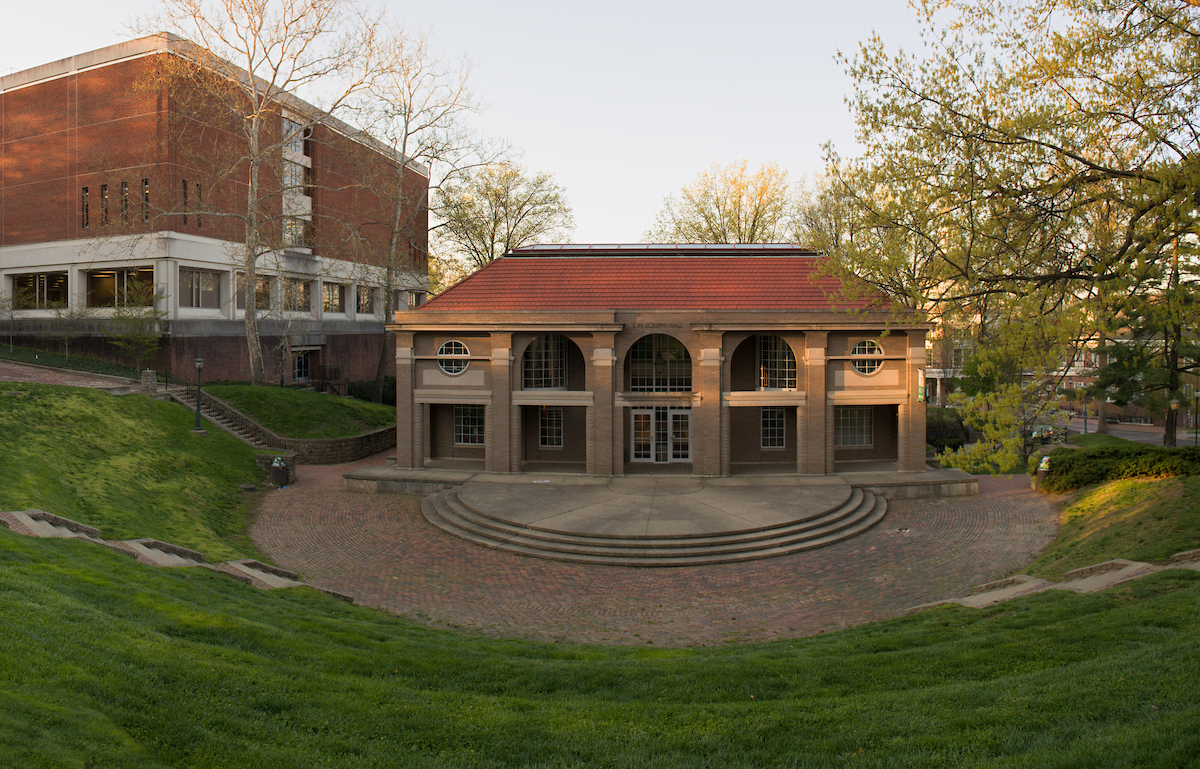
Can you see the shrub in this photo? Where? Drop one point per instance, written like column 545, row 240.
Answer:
column 1074, row 468
column 365, row 390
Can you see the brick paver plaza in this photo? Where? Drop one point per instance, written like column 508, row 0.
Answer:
column 380, row 549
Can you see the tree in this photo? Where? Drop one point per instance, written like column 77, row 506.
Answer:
column 417, row 106
column 135, row 323
column 728, row 204
column 231, row 82
column 499, row 207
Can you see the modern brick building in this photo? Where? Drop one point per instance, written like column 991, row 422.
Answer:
column 111, row 181
column 607, row 360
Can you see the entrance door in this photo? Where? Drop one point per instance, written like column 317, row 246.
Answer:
column 661, row 434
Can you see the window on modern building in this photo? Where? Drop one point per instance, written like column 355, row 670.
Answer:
column 199, row 288
column 333, row 297
column 659, row 363
column 294, row 135
column 864, row 365
column 468, row 425
column 452, row 357
column 297, row 232
column 776, row 363
column 550, row 427
column 297, row 295
column 120, row 287
column 772, row 427
column 184, row 202
column 301, row 366
column 262, row 292
column 416, row 299
column 85, row 218
column 546, row 362
column 145, row 200
column 364, row 300
column 296, row 178
column 853, row 426
column 103, row 205
column 124, row 202
column 39, row 290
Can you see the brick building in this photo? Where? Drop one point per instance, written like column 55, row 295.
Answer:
column 116, row 183
column 713, row 359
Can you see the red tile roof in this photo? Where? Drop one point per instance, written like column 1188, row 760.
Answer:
column 655, row 277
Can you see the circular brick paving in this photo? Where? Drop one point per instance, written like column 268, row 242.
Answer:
column 380, row 549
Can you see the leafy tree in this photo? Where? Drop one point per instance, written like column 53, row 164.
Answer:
column 728, row 204
column 135, row 323
column 497, row 208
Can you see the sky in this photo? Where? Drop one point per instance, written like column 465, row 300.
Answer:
column 623, row 102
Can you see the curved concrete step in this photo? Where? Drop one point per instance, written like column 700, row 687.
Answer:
column 445, row 511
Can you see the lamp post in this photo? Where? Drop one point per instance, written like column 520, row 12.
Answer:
column 1174, row 418
column 1196, row 418
column 199, row 370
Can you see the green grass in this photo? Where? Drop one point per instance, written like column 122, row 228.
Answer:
column 111, row 663
column 1092, row 440
column 1140, row 519
column 127, row 464
column 298, row 414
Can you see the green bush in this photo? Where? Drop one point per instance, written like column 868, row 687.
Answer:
column 1075, row 468
column 365, row 390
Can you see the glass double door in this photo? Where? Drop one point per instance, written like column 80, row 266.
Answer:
column 661, row 434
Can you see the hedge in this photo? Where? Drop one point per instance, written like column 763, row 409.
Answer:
column 1074, row 468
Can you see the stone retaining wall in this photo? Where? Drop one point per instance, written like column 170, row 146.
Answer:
column 308, row 451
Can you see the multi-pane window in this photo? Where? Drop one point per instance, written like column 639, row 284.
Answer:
column 550, row 427
column 659, row 363
column 866, row 365
column 776, row 363
column 364, row 300
column 121, row 286
column 302, row 366
column 199, row 288
column 468, row 425
column 297, row 232
column 124, row 202
column 145, row 200
column 262, row 292
column 452, row 357
column 39, row 290
column 84, row 204
column 103, row 205
column 958, row 357
column 416, row 299
column 297, row 295
column 546, row 362
column 853, row 426
column 293, row 136
column 333, row 297
column 772, row 427
column 295, row 177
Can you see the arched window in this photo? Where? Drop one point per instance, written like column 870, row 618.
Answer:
column 776, row 363
column 865, row 365
column 452, row 357
column 659, row 363
column 546, row 362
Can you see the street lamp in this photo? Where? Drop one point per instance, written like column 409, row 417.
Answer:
column 199, row 369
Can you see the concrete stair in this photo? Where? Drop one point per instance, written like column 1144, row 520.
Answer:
column 447, row 511
column 188, row 398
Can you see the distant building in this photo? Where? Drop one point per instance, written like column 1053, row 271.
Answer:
column 107, row 185
column 708, row 359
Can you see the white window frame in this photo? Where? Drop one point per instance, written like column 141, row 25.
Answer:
column 773, row 424
column 453, row 357
column 854, row 427
column 550, row 427
column 863, row 364
column 469, row 425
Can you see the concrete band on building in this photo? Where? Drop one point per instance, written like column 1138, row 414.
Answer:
column 109, row 180
column 702, row 359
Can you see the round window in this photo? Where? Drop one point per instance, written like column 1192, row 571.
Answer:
column 866, row 365
column 452, row 357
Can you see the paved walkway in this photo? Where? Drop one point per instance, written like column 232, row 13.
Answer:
column 11, row 371
column 379, row 549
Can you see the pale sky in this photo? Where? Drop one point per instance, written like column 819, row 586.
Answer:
column 623, row 103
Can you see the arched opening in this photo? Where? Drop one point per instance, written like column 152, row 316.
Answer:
column 763, row 435
column 658, row 363
column 553, row 433
column 660, row 434
column 553, row 362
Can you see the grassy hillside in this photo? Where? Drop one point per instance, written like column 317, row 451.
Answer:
column 127, row 464
column 298, row 414
column 110, row 663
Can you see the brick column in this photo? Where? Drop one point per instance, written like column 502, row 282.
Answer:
column 708, row 440
column 911, row 418
column 601, row 429
column 814, row 454
column 498, row 448
column 409, row 444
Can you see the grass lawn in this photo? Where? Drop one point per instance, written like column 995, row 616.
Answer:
column 73, row 363
column 1092, row 440
column 127, row 464
column 1141, row 519
column 297, row 414
column 111, row 663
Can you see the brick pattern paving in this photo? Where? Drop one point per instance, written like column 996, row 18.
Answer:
column 379, row 549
